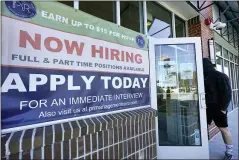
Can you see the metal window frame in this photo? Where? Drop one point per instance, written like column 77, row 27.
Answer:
column 76, row 4
column 143, row 17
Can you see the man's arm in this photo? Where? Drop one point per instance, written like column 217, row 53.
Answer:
column 225, row 91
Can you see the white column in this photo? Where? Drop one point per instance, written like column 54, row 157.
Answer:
column 76, row 4
column 118, row 12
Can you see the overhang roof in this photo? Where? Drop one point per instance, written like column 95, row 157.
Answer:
column 231, row 9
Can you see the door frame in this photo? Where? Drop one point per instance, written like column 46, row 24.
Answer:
column 181, row 152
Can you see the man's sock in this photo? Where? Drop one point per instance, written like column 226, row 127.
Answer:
column 229, row 149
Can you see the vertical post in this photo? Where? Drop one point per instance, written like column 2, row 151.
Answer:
column 76, row 4
column 186, row 28
column 118, row 12
column 145, row 18
column 173, row 25
column 141, row 17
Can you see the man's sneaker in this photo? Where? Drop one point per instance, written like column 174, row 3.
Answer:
column 227, row 156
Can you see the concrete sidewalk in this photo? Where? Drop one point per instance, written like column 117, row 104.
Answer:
column 216, row 145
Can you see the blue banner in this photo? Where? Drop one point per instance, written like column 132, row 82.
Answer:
column 31, row 96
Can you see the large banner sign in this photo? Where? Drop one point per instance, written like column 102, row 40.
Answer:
column 59, row 63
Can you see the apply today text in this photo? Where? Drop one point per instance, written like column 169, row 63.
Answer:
column 14, row 81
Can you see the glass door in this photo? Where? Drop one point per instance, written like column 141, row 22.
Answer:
column 177, row 93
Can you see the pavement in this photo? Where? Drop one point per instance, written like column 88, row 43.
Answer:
column 216, row 145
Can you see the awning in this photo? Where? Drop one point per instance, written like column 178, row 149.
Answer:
column 230, row 9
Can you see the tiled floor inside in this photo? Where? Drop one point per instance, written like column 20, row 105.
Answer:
column 216, row 145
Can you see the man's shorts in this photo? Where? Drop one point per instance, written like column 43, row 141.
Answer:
column 219, row 118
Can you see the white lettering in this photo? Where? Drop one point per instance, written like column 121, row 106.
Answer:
column 106, row 80
column 144, row 80
column 44, row 14
column 13, row 77
column 136, row 83
column 127, row 82
column 71, row 85
column 115, row 81
column 56, row 80
column 88, row 81
column 34, row 79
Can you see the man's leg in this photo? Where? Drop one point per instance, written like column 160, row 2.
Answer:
column 226, row 135
column 227, row 138
column 221, row 122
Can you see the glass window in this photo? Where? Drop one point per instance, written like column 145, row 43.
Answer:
column 231, row 57
column 226, row 68
column 236, row 76
column 219, row 64
column 68, row 3
column 102, row 9
column 218, row 49
column 225, row 53
column 236, row 101
column 180, row 27
column 131, row 13
column 159, row 21
column 177, row 95
column 232, row 76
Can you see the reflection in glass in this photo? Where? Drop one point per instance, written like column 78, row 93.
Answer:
column 95, row 8
column 218, row 49
column 158, row 21
column 131, row 15
column 177, row 95
column 226, row 68
column 231, row 57
column 179, row 27
column 68, row 3
column 219, row 64
column 225, row 54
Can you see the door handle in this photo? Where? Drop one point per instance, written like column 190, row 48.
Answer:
column 203, row 101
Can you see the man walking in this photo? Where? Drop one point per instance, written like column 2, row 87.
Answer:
column 218, row 96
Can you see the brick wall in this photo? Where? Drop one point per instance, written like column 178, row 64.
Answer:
column 125, row 135
column 197, row 28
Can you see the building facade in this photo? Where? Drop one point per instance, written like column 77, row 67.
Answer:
column 132, row 134
column 179, row 19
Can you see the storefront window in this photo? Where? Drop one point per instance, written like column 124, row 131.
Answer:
column 68, row 3
column 225, row 54
column 231, row 57
column 102, row 9
column 219, row 64
column 180, row 27
column 159, row 21
column 131, row 14
column 218, row 50
column 236, row 76
column 226, row 68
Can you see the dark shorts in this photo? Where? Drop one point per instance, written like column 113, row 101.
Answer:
column 219, row 118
